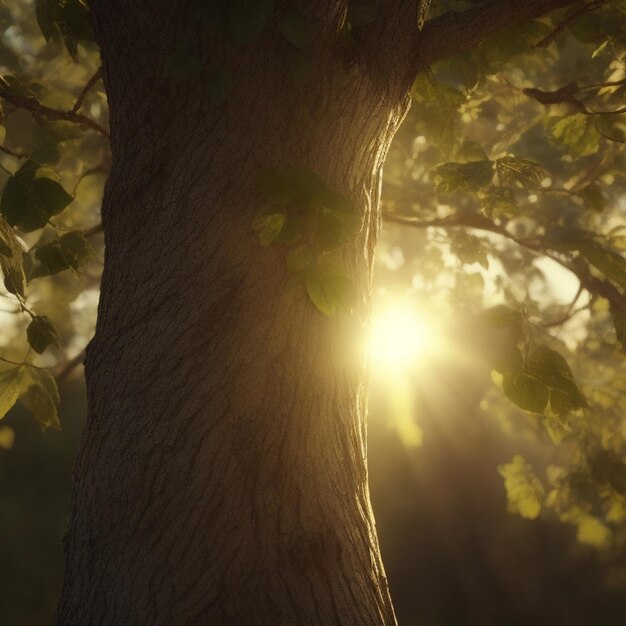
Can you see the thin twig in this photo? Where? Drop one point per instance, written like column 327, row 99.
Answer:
column 610, row 83
column 90, row 83
column 566, row 318
column 70, row 366
column 18, row 155
column 570, row 19
column 591, row 283
column 41, row 111
column 99, row 169
column 94, row 230
column 569, row 312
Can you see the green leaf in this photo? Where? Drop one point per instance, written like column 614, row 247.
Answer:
column 182, row 66
column 70, row 250
column 51, row 259
column 47, row 197
column 248, row 18
column 577, row 133
column 549, row 367
column 426, row 89
column 9, row 389
column 296, row 30
column 593, row 198
column 290, row 232
column 329, row 289
column 502, row 316
column 11, row 259
column 439, row 112
column 21, row 86
column 609, row 262
column 75, row 248
column 14, row 281
column 619, row 321
column 464, row 176
column 46, row 11
column 513, row 170
column 29, row 203
column 499, row 202
column 41, row 333
column 219, row 81
column 562, row 404
column 269, row 227
column 526, row 391
column 77, row 22
column 469, row 250
column 41, row 396
column 47, row 153
column 14, row 200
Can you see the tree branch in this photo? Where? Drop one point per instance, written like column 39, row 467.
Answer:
column 70, row 366
column 18, row 155
column 456, row 32
column 590, row 282
column 90, row 83
column 570, row 19
column 41, row 111
column 96, row 229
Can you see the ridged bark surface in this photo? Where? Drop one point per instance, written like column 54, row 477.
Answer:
column 222, row 476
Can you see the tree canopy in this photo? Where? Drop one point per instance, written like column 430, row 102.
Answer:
column 507, row 177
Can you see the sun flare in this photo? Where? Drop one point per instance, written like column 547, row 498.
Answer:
column 401, row 335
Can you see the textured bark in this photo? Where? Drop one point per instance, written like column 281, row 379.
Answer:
column 222, row 475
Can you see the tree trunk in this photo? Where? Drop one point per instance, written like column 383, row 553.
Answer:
column 222, row 475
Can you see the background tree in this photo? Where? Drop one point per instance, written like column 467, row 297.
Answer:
column 247, row 147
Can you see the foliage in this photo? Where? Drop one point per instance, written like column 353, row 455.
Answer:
column 512, row 155
column 51, row 168
column 509, row 166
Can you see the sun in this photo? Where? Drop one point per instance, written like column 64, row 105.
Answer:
column 402, row 335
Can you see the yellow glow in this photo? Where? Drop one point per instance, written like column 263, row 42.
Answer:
column 404, row 341
column 401, row 335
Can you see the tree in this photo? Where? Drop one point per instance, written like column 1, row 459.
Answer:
column 222, row 476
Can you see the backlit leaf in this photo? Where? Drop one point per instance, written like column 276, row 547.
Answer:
column 9, row 389
column 526, row 391
column 40, row 396
column 577, row 133
column 502, row 316
column 329, row 289
column 460, row 176
column 513, row 170
column 269, row 227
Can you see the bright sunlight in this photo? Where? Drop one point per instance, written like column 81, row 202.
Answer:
column 402, row 335
column 403, row 339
